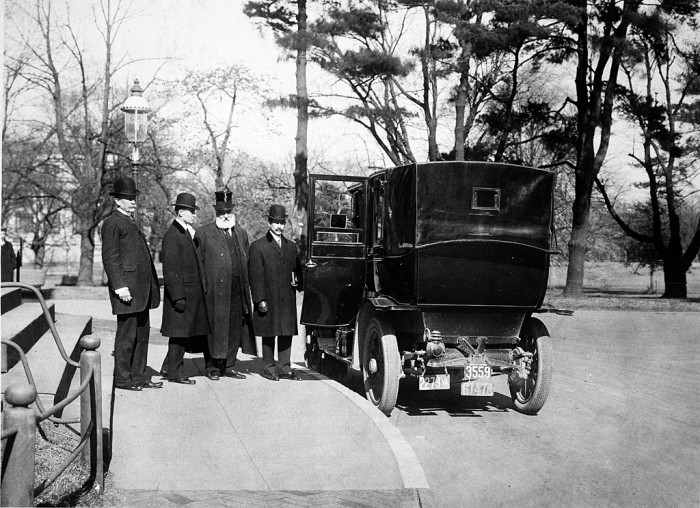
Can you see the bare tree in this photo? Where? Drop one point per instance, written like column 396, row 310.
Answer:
column 81, row 107
column 214, row 101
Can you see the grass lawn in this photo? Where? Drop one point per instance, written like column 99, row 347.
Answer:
column 614, row 286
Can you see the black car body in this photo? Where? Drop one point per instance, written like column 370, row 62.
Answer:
column 432, row 270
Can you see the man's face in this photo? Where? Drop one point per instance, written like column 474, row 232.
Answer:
column 276, row 227
column 126, row 204
column 188, row 216
column 225, row 219
column 2, row 238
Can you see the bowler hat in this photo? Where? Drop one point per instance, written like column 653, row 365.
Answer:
column 186, row 200
column 125, row 188
column 224, row 201
column 277, row 213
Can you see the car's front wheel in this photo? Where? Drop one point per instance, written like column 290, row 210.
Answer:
column 381, row 364
column 313, row 353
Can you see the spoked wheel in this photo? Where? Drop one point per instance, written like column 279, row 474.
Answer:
column 529, row 384
column 380, row 365
column 312, row 355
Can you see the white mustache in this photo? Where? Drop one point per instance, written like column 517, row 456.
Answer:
column 225, row 222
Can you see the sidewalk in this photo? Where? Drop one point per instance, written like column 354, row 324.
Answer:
column 251, row 442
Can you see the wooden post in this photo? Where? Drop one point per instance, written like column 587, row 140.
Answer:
column 18, row 454
column 91, row 408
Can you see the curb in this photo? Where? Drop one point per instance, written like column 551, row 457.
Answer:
column 411, row 471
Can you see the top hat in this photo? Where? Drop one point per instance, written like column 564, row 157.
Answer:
column 277, row 213
column 186, row 200
column 224, row 201
column 125, row 188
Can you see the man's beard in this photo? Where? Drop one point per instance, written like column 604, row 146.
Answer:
column 225, row 222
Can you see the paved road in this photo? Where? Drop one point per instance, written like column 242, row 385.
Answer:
column 621, row 426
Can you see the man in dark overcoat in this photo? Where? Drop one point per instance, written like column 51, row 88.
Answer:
column 184, row 313
column 9, row 259
column 133, row 288
column 223, row 247
column 275, row 275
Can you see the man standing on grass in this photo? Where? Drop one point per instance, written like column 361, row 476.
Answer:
column 133, row 288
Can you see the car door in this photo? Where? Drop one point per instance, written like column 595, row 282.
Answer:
column 335, row 271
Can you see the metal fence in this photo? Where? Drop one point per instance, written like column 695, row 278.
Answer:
column 20, row 421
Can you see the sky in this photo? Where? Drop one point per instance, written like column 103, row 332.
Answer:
column 202, row 34
column 165, row 38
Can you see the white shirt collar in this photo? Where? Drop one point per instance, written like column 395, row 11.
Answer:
column 186, row 226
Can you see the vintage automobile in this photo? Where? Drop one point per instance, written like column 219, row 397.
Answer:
column 434, row 271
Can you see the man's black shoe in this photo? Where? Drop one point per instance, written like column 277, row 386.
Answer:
column 214, row 376
column 291, row 375
column 235, row 374
column 152, row 384
column 163, row 373
column 271, row 376
column 133, row 388
column 183, row 381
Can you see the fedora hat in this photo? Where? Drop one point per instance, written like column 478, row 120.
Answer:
column 186, row 200
column 125, row 188
column 224, row 201
column 277, row 212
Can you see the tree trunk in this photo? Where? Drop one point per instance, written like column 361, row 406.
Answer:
column 39, row 247
column 675, row 278
column 578, row 245
column 460, row 107
column 87, row 255
column 577, row 260
column 301, row 179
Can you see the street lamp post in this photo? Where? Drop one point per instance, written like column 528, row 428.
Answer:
column 135, row 110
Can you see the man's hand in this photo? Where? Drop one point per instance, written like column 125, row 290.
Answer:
column 123, row 294
column 262, row 307
column 179, row 305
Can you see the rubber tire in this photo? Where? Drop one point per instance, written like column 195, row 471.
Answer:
column 530, row 395
column 312, row 355
column 382, row 387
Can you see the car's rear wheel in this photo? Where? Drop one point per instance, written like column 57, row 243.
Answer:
column 381, row 364
column 529, row 392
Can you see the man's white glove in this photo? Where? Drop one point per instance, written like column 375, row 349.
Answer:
column 123, row 294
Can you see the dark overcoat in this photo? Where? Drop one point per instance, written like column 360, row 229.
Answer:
column 128, row 263
column 182, row 271
column 218, row 275
column 271, row 268
column 9, row 262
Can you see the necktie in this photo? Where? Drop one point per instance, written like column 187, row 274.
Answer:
column 228, row 232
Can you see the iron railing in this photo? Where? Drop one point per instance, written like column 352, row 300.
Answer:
column 20, row 421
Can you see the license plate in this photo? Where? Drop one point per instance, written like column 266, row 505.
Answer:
column 477, row 371
column 434, row 382
column 477, row 388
